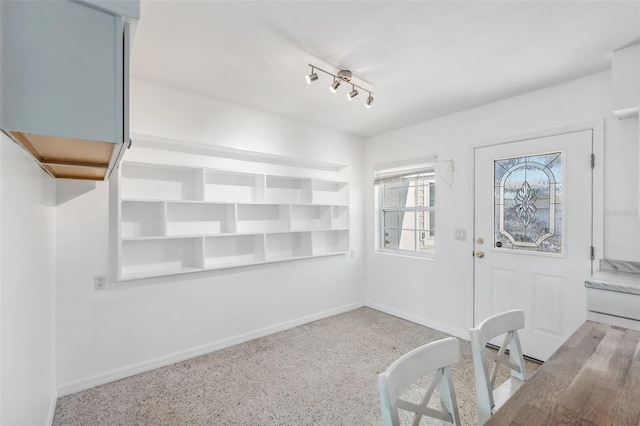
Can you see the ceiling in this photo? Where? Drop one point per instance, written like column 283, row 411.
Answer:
column 423, row 59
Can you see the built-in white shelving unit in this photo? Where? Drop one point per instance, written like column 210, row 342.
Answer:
column 178, row 219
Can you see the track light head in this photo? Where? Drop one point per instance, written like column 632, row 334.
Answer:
column 352, row 94
column 334, row 85
column 312, row 77
column 369, row 101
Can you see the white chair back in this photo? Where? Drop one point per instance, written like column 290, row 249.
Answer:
column 408, row 369
column 489, row 397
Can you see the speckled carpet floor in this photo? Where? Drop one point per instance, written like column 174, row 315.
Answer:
column 322, row 373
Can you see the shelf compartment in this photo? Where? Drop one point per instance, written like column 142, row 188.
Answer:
column 288, row 245
column 142, row 219
column 339, row 217
column 149, row 258
column 330, row 242
column 329, row 192
column 200, row 218
column 153, row 182
column 233, row 250
column 307, row 218
column 262, row 218
column 236, row 187
column 288, row 190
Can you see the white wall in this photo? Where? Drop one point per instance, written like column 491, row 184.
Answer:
column 27, row 294
column 439, row 292
column 138, row 325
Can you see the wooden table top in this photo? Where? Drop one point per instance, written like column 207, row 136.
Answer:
column 593, row 378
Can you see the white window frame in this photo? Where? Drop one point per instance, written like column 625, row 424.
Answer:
column 390, row 174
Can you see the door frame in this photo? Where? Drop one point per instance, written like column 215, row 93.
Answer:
column 597, row 187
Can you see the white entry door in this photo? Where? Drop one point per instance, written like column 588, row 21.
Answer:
column 533, row 235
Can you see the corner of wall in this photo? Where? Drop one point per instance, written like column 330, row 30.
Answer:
column 52, row 407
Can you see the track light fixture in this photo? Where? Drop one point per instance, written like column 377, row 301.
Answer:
column 338, row 79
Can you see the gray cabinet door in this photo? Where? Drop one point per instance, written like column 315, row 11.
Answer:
column 61, row 70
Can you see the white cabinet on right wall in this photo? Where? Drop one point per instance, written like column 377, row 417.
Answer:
column 177, row 219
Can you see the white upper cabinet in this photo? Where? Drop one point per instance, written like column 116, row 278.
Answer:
column 64, row 81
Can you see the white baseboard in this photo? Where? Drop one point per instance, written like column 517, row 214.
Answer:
column 459, row 333
column 151, row 364
column 52, row 407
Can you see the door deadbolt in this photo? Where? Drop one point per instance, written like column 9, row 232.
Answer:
column 480, row 240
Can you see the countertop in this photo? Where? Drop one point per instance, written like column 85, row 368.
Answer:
column 616, row 275
column 622, row 282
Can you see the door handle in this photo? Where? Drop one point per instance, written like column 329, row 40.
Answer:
column 479, row 254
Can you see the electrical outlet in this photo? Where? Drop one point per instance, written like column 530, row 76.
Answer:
column 100, row 282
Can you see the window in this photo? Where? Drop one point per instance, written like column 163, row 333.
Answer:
column 406, row 209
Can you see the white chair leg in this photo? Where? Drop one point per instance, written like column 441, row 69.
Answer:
column 388, row 412
column 448, row 396
column 483, row 415
column 516, row 356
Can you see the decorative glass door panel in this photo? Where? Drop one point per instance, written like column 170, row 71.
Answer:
column 528, row 203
